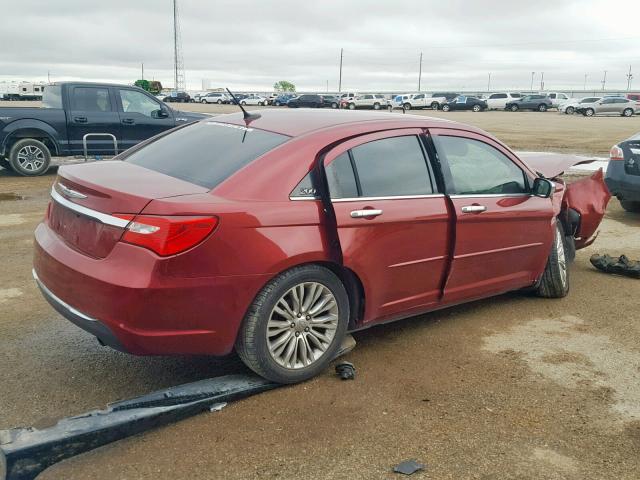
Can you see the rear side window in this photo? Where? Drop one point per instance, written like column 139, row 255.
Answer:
column 206, row 153
column 477, row 168
column 391, row 167
column 90, row 99
column 498, row 95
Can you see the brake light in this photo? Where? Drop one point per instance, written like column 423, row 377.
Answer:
column 616, row 153
column 167, row 235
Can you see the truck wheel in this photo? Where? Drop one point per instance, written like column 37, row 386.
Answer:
column 29, row 157
column 295, row 325
column 555, row 279
column 630, row 206
column 434, row 105
column 542, row 107
column 407, row 106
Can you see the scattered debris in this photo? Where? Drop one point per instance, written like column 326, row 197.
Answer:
column 619, row 266
column 26, row 452
column 348, row 344
column 346, row 371
column 408, row 467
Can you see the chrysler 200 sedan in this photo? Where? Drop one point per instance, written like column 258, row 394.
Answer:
column 276, row 236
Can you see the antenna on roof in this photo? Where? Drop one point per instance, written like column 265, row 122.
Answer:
column 248, row 117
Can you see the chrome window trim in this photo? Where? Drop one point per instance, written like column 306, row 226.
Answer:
column 87, row 212
column 490, row 195
column 392, row 197
column 298, row 199
column 60, row 302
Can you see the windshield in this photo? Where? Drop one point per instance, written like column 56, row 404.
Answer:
column 52, row 96
column 206, row 153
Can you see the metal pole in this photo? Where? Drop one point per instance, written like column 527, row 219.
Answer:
column 585, row 83
column 48, row 77
column 629, row 77
column 542, row 82
column 489, row 83
column 420, row 73
column 142, row 77
column 532, row 74
column 175, row 44
column 340, row 80
column 604, row 80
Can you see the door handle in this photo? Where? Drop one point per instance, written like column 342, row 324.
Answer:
column 473, row 209
column 128, row 121
column 369, row 212
column 80, row 119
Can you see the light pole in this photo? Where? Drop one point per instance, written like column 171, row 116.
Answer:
column 532, row 75
column 604, row 80
column 585, row 83
column 629, row 78
column 340, row 79
column 420, row 73
column 489, row 83
column 542, row 82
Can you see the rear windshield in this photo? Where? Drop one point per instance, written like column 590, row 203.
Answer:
column 206, row 153
column 52, row 97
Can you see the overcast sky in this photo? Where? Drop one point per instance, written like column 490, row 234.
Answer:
column 251, row 44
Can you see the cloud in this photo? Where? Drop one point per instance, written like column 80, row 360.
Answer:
column 252, row 44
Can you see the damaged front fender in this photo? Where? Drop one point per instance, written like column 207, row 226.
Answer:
column 589, row 198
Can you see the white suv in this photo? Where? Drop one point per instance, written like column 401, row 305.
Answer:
column 498, row 101
column 410, row 101
column 368, row 100
column 557, row 99
column 214, row 97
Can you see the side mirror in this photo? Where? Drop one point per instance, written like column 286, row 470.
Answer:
column 542, row 187
column 160, row 113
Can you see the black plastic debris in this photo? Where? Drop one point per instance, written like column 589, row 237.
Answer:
column 346, row 371
column 408, row 467
column 25, row 452
column 619, row 266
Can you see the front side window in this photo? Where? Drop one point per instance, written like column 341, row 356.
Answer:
column 477, row 168
column 137, row 102
column 391, row 167
column 90, row 99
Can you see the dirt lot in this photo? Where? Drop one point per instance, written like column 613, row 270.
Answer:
column 512, row 387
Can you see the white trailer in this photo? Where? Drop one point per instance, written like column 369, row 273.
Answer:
column 21, row 90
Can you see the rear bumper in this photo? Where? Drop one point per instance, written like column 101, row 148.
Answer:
column 621, row 184
column 130, row 303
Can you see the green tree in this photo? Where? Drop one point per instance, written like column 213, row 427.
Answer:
column 284, row 86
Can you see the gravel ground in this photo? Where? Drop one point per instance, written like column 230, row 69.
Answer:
column 511, row 387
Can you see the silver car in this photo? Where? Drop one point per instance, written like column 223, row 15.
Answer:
column 570, row 107
column 608, row 106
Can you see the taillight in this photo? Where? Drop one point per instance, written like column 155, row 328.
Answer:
column 167, row 235
column 616, row 153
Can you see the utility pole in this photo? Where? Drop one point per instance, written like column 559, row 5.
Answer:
column 585, row 83
column 327, row 86
column 489, row 83
column 542, row 82
column 142, row 74
column 532, row 75
column 175, row 45
column 629, row 78
column 340, row 79
column 604, row 80
column 420, row 73
column 48, row 76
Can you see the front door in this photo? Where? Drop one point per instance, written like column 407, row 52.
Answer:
column 92, row 110
column 393, row 224
column 503, row 233
column 141, row 116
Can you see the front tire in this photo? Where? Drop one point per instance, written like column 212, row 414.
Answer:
column 627, row 112
column 434, row 105
column 203, row 101
column 555, row 278
column 476, row 108
column 277, row 103
column 570, row 110
column 295, row 325
column 630, row 206
column 407, row 106
column 376, row 106
column 352, row 106
column 542, row 107
column 513, row 108
column 589, row 112
column 445, row 108
column 29, row 157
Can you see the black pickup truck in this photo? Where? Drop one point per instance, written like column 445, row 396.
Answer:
column 115, row 117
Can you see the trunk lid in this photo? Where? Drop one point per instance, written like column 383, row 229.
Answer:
column 86, row 197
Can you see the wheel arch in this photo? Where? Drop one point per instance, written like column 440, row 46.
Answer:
column 43, row 133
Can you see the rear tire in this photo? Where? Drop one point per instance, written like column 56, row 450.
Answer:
column 407, row 106
column 513, row 108
column 476, row 108
column 352, row 106
column 627, row 112
column 445, row 108
column 434, row 105
column 542, row 107
column 277, row 103
column 376, row 106
column 266, row 336
column 630, row 206
column 29, row 157
column 555, row 278
column 570, row 110
column 203, row 101
column 589, row 112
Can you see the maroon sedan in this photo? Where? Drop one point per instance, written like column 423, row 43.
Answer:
column 276, row 236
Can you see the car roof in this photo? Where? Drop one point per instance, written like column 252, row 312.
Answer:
column 296, row 123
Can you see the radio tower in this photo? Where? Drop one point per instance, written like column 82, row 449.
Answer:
column 178, row 65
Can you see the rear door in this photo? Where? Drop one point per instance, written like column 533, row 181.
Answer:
column 92, row 110
column 393, row 224
column 503, row 233
column 141, row 116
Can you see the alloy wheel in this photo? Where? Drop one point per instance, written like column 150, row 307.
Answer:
column 302, row 325
column 31, row 158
